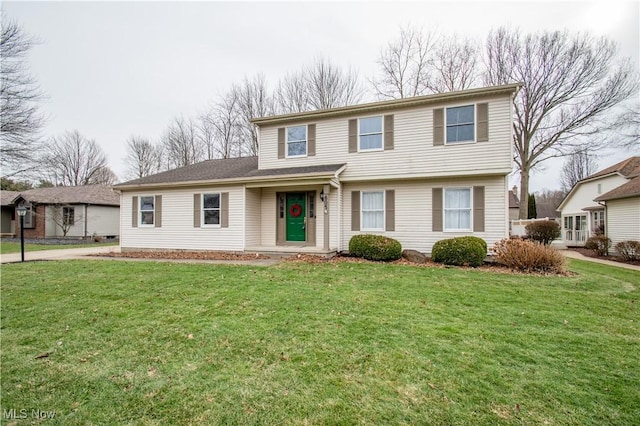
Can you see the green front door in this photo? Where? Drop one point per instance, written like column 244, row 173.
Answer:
column 296, row 212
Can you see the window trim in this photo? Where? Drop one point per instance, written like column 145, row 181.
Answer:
column 384, row 210
column 306, row 142
column 381, row 133
column 141, row 211
column 475, row 125
column 444, row 209
column 219, row 209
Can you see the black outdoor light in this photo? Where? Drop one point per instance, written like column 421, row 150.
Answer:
column 22, row 210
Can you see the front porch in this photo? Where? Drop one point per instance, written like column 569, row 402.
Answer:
column 578, row 227
column 287, row 217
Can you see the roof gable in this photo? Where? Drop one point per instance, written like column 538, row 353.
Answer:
column 627, row 190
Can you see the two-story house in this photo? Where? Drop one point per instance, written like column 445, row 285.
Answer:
column 417, row 169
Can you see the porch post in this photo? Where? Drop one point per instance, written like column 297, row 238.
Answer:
column 326, row 189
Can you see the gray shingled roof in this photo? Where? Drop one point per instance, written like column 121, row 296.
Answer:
column 89, row 194
column 628, row 190
column 223, row 169
column 7, row 197
column 627, row 168
column 514, row 201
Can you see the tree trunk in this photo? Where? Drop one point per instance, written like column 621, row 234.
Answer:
column 524, row 194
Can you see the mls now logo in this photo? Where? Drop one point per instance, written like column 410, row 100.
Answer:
column 14, row 414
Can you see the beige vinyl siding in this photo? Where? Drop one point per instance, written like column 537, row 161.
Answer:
column 177, row 231
column 623, row 220
column 413, row 210
column 413, row 153
column 253, row 216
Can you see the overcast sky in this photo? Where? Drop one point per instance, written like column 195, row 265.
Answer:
column 115, row 69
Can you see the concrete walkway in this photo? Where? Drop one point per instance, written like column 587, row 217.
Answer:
column 89, row 253
column 575, row 255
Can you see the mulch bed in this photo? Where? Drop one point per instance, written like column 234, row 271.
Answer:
column 185, row 255
column 590, row 253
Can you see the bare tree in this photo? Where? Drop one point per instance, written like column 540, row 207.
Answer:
column 629, row 137
column 20, row 121
column 291, row 94
column 226, row 121
column 73, row 160
column 547, row 201
column 404, row 64
column 570, row 84
column 577, row 166
column 329, row 86
column 142, row 158
column 253, row 101
column 454, row 65
column 181, row 147
column 206, row 134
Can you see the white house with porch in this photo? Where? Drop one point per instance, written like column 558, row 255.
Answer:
column 582, row 216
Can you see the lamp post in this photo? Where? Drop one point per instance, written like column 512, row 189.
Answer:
column 22, row 210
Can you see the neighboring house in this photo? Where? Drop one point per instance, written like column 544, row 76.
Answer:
column 586, row 209
column 7, row 222
column 514, row 204
column 70, row 211
column 416, row 169
column 622, row 210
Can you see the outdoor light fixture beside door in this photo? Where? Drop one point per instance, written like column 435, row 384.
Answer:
column 22, row 210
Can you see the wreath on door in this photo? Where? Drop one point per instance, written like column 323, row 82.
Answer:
column 295, row 210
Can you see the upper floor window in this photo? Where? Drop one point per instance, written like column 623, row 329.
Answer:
column 211, row 209
column 370, row 133
column 457, row 209
column 373, row 211
column 461, row 124
column 147, row 210
column 297, row 141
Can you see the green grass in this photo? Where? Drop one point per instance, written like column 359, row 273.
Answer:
column 11, row 247
column 161, row 343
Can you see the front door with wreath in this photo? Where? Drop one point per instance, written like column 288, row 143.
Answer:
column 296, row 214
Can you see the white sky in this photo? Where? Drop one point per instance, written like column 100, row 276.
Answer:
column 113, row 69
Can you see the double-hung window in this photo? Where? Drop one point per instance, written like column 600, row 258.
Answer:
column 373, row 211
column 297, row 141
column 457, row 209
column 461, row 124
column 147, row 210
column 370, row 133
column 211, row 209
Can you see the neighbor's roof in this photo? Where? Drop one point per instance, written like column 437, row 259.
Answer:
column 391, row 104
column 514, row 201
column 7, row 197
column 627, row 168
column 225, row 170
column 628, row 190
column 88, row 194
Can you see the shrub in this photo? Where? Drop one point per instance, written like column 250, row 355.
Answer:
column 599, row 244
column 629, row 250
column 543, row 231
column 529, row 256
column 460, row 251
column 375, row 247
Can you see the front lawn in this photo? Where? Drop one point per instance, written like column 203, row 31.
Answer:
column 101, row 342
